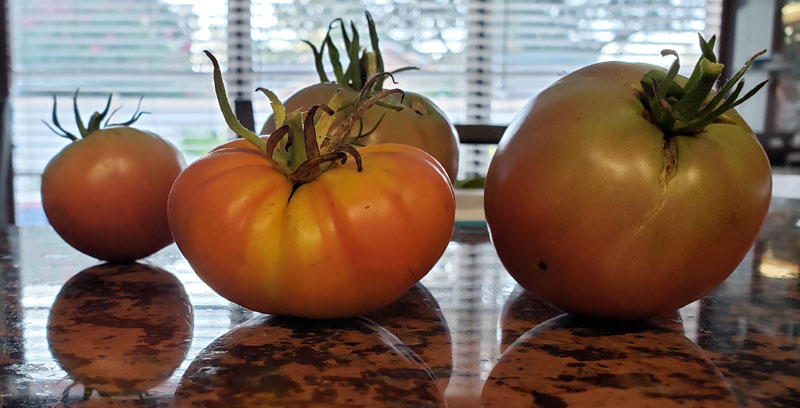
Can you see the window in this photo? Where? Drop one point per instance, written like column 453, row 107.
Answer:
column 129, row 47
column 480, row 60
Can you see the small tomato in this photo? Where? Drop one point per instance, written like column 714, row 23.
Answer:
column 106, row 193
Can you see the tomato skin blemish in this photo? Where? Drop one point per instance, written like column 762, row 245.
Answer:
column 542, row 265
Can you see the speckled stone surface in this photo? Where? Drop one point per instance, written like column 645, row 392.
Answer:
column 77, row 333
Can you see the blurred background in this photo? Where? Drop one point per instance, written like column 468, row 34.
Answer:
column 479, row 60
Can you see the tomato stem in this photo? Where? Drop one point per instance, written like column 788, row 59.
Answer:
column 136, row 114
column 323, row 125
column 296, row 153
column 323, row 77
column 81, row 128
column 322, row 146
column 97, row 117
column 333, row 56
column 227, row 112
column 687, row 109
column 362, row 64
column 278, row 111
column 58, row 129
column 279, row 160
column 343, row 129
column 95, row 121
column 310, row 131
column 376, row 50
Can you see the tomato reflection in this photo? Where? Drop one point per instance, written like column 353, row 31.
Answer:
column 120, row 329
column 569, row 361
column 417, row 320
column 281, row 361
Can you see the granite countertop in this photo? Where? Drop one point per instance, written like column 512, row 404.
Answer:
column 74, row 332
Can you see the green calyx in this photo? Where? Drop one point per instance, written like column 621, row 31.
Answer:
column 95, row 121
column 686, row 109
column 362, row 66
column 323, row 144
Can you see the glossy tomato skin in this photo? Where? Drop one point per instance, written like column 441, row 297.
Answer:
column 421, row 123
column 588, row 210
column 106, row 194
column 343, row 244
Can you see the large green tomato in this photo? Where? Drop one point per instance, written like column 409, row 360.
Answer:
column 595, row 209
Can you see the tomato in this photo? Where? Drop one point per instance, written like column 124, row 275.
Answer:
column 311, row 238
column 418, row 122
column 599, row 211
column 106, row 193
column 344, row 244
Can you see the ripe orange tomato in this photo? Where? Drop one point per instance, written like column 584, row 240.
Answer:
column 284, row 226
column 106, row 193
column 598, row 210
column 343, row 244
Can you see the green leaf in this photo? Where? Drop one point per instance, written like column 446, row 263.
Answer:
column 373, row 36
column 333, row 53
column 352, row 53
column 707, row 48
column 345, row 37
column 318, row 61
column 225, row 107
column 62, row 133
column 278, row 110
column 81, row 128
column 136, row 115
column 97, row 117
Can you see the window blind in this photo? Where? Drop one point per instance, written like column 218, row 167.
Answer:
column 427, row 34
column 131, row 48
column 480, row 60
